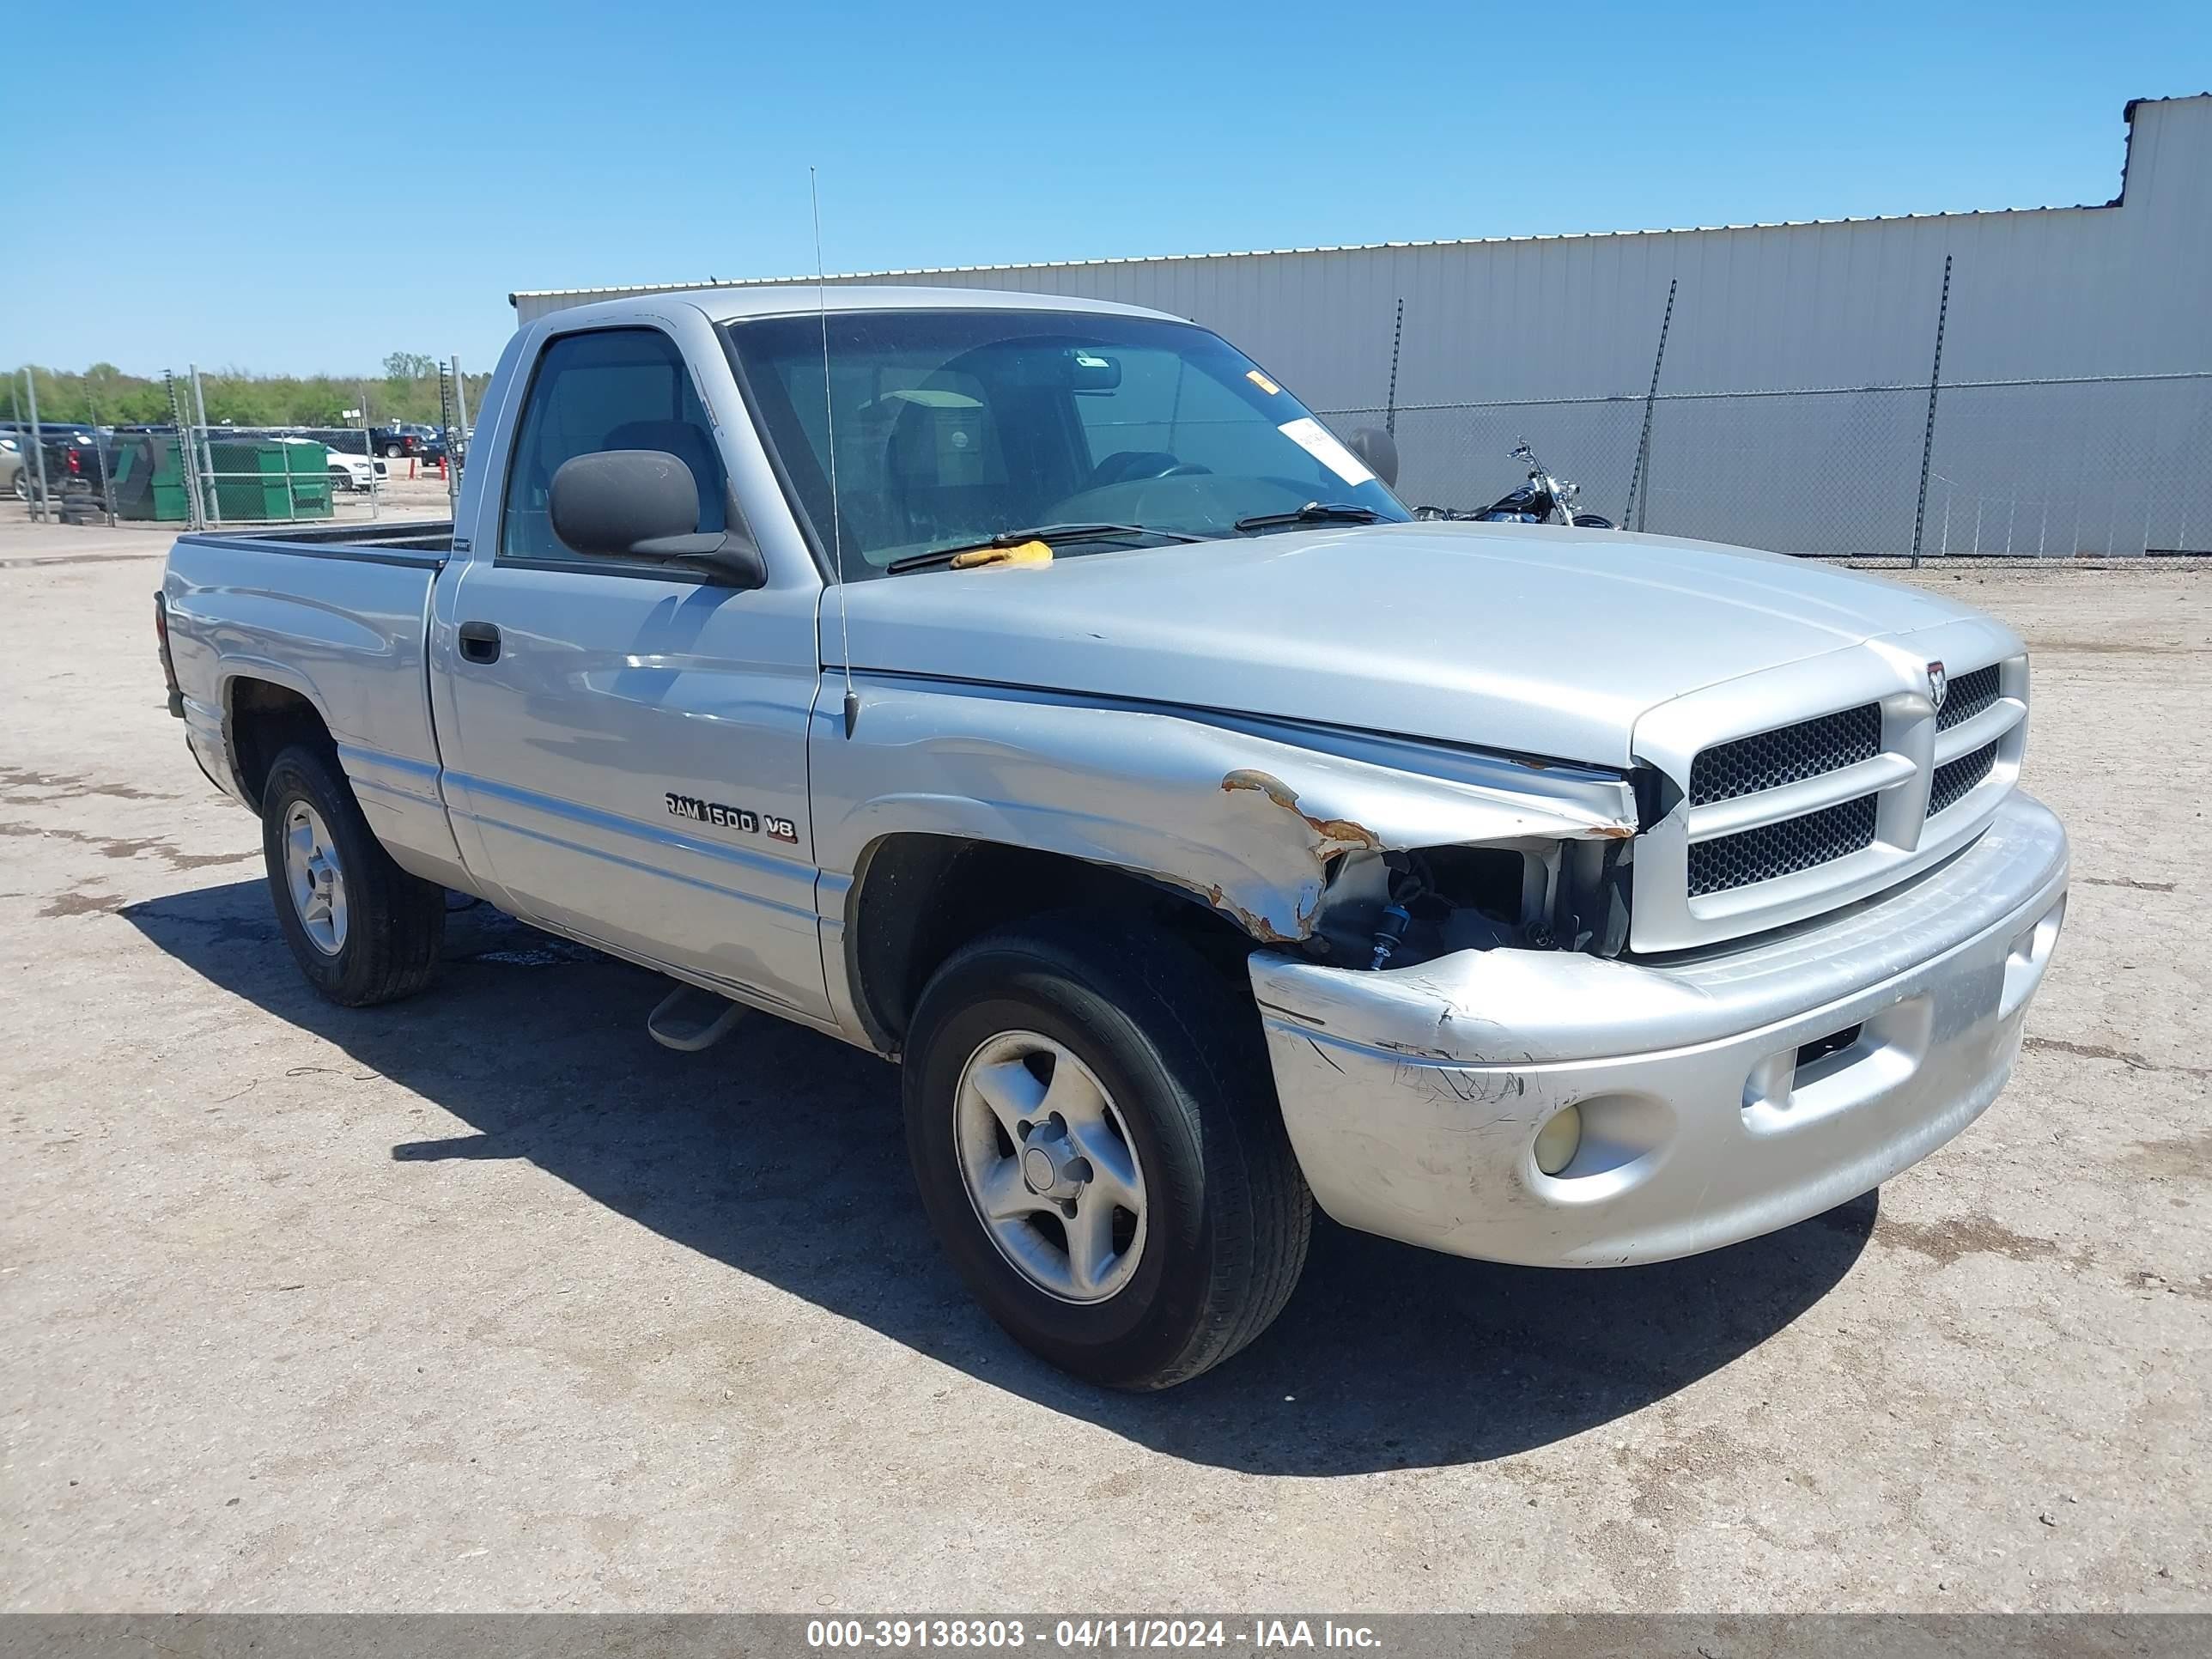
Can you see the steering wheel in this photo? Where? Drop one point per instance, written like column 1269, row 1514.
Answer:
column 1132, row 465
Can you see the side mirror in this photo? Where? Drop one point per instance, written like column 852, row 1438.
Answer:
column 1379, row 450
column 644, row 504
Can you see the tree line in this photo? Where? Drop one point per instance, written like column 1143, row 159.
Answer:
column 103, row 395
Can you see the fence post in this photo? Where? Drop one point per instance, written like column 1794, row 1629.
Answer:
column 1389, row 408
column 461, row 401
column 43, row 509
column 186, row 457
column 455, row 453
column 1928, row 438
column 1637, row 478
column 445, row 426
column 16, row 414
column 213, row 500
column 99, row 453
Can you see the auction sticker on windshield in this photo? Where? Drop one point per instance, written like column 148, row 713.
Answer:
column 1318, row 441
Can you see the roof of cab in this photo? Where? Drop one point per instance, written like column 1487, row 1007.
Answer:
column 727, row 304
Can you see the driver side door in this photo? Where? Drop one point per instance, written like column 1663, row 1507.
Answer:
column 626, row 737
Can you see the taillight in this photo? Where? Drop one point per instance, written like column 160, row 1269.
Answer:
column 75, row 459
column 168, row 667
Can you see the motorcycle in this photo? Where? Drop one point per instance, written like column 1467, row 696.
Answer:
column 1545, row 499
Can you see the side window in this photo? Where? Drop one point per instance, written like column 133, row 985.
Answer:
column 618, row 388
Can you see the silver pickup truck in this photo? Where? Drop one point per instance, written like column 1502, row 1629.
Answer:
column 1035, row 692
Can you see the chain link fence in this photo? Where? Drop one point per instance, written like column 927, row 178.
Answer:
column 2113, row 464
column 189, row 473
column 199, row 477
column 2116, row 464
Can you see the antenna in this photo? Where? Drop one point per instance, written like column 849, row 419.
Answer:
column 829, row 424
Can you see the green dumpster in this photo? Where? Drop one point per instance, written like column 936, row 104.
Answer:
column 261, row 481
column 146, row 478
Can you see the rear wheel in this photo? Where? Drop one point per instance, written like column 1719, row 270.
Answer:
column 362, row 930
column 1094, row 1131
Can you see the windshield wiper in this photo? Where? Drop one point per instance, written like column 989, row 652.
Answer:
column 1050, row 534
column 1311, row 512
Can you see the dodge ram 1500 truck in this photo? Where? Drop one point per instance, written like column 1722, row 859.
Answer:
column 1034, row 692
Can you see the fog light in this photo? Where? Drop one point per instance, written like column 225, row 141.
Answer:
column 1558, row 1140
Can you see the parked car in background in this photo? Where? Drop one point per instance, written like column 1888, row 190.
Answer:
column 359, row 473
column 56, row 436
column 402, row 440
column 72, row 461
column 347, row 471
column 15, row 466
column 51, row 430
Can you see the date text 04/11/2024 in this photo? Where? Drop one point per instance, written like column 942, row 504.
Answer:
column 1263, row 1635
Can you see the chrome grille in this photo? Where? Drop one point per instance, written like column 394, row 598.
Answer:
column 1789, row 754
column 1970, row 693
column 1812, row 784
column 1955, row 778
column 1782, row 850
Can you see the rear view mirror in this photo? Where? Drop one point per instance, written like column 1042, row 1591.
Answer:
column 644, row 504
column 1093, row 372
column 1379, row 450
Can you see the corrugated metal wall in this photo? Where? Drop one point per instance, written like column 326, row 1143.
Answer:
column 2039, row 293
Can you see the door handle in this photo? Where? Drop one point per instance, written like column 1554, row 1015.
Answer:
column 479, row 642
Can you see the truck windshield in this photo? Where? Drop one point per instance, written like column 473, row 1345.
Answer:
column 955, row 427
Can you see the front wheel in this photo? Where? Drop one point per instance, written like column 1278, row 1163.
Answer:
column 1093, row 1128
column 362, row 930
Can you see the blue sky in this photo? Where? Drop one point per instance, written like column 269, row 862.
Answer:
column 417, row 165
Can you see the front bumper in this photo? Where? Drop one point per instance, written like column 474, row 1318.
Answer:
column 1413, row 1095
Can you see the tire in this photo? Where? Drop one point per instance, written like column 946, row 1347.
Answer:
column 1224, row 1213
column 380, row 941
column 393, row 452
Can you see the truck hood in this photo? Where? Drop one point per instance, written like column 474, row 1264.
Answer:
column 1536, row 639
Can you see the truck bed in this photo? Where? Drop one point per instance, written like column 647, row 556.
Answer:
column 337, row 615
column 432, row 537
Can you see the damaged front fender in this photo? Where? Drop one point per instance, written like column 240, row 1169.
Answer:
column 1249, row 820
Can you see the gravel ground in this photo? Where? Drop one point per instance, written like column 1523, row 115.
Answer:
column 484, row 1301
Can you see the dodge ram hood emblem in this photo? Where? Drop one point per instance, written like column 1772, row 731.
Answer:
column 1938, row 685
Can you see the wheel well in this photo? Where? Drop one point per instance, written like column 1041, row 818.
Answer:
column 263, row 721
column 918, row 898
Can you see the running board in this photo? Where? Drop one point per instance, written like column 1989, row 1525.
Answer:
column 668, row 1026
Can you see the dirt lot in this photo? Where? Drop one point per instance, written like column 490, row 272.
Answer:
column 483, row 1301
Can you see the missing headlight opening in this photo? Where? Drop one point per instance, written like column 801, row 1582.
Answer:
column 1397, row 908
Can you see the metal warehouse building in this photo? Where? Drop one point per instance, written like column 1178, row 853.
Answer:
column 2075, row 412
